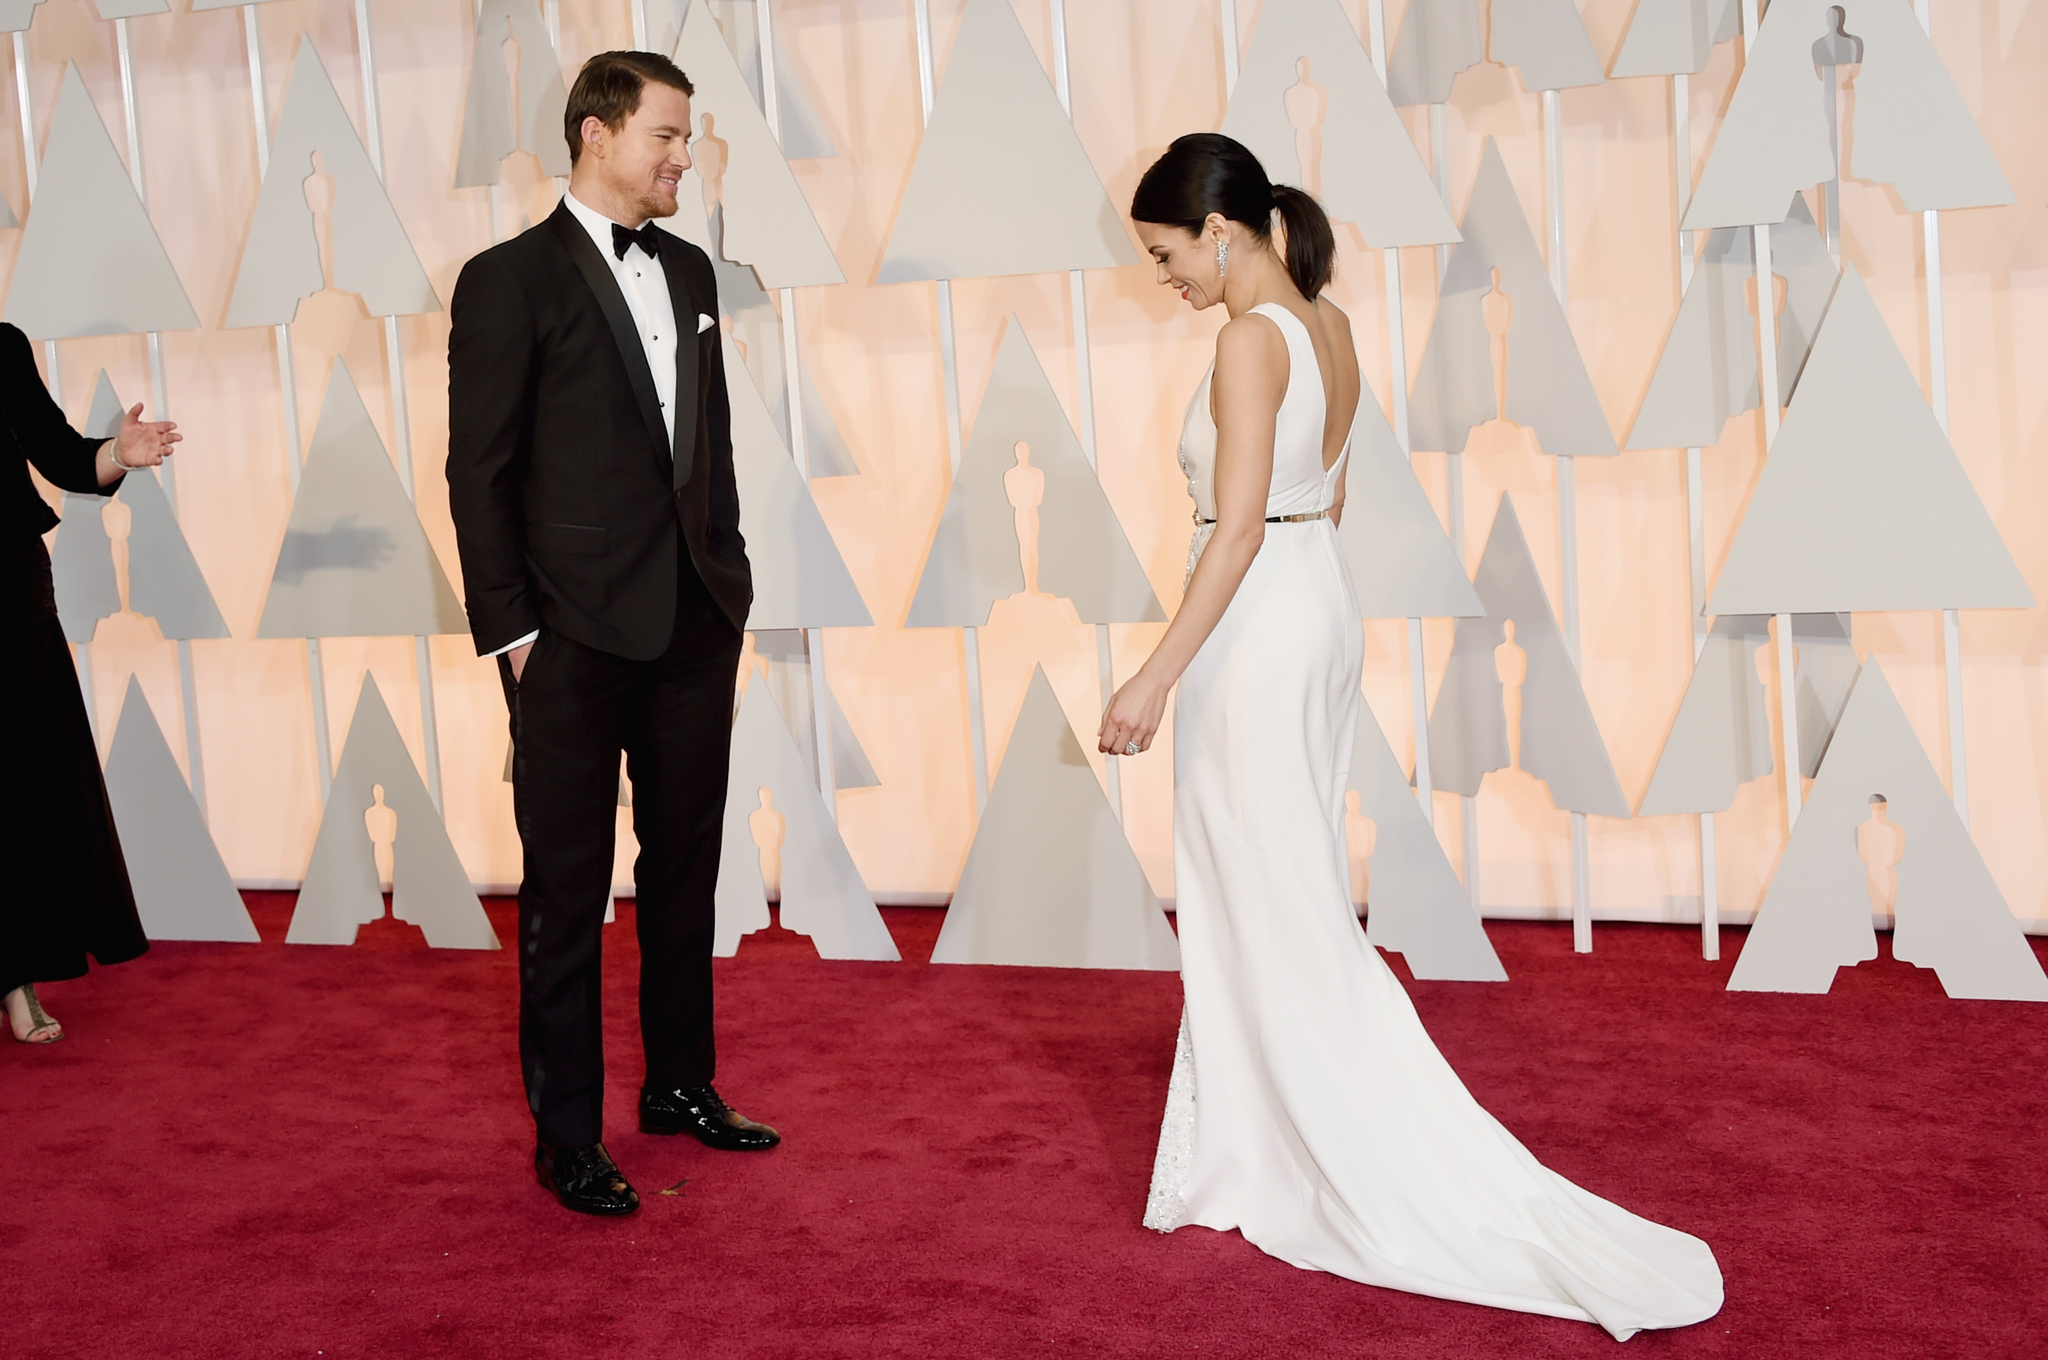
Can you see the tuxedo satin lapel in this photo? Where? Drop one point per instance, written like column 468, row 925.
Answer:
column 689, row 356
column 612, row 302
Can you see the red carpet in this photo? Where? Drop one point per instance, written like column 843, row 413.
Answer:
column 296, row 1151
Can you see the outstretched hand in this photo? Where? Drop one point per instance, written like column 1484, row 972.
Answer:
column 144, row 443
column 1133, row 716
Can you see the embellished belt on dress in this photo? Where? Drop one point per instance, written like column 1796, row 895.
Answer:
column 1278, row 519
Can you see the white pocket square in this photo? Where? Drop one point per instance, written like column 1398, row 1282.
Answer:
column 704, row 322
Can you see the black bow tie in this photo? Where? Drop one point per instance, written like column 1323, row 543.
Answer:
column 648, row 238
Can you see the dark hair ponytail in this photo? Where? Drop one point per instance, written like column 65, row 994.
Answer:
column 1311, row 245
column 1206, row 172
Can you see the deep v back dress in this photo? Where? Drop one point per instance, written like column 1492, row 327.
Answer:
column 1308, row 1108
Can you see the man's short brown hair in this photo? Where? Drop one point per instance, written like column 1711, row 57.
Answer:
column 608, row 89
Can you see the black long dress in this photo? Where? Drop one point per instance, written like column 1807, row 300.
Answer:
column 68, row 894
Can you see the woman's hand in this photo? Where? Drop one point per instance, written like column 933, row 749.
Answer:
column 141, row 443
column 1133, row 715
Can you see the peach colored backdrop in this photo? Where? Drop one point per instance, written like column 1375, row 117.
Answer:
column 1144, row 71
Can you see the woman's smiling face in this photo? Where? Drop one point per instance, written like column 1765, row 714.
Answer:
column 1186, row 260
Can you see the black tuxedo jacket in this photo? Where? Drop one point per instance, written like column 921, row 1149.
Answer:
column 569, row 504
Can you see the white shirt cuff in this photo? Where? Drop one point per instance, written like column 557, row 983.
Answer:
column 510, row 645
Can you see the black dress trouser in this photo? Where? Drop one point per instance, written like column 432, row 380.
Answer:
column 574, row 709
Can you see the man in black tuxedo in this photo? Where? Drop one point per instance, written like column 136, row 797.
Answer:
column 591, row 481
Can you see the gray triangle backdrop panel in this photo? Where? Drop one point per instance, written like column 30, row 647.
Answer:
column 664, row 23
column 1548, row 388
column 803, row 132
column 372, row 256
column 103, row 418
column 740, row 901
column 757, row 325
column 1910, row 127
column 1721, row 738
column 1370, row 172
column 90, row 261
column 851, row 768
column 1037, row 208
column 182, row 888
column 82, row 568
column 1546, row 41
column 354, row 561
column 1083, row 553
column 1402, row 565
column 429, row 886
column 789, row 684
column 1050, row 880
column 800, row 580
column 1707, row 373
column 1438, row 39
column 773, row 228
column 491, row 128
column 1824, row 674
column 692, row 224
column 82, row 557
column 1468, row 728
column 823, row 896
column 1674, row 37
column 756, row 320
column 15, row 15
column 1416, row 906
column 1862, row 504
column 164, row 580
column 825, row 447
column 1950, row 916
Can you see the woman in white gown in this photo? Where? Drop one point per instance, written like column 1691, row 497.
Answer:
column 1308, row 1108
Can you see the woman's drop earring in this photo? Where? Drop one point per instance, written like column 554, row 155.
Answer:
column 1222, row 258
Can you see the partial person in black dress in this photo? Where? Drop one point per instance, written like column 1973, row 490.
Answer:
column 69, row 895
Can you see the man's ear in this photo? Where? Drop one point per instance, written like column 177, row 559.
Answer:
column 594, row 133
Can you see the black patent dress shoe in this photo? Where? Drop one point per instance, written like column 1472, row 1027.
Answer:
column 584, row 1179
column 700, row 1112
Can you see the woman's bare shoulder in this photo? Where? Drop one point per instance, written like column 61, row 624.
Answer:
column 1251, row 341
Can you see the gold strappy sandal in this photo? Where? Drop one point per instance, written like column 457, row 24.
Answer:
column 42, row 1029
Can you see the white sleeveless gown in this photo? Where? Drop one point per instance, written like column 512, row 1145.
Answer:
column 1308, row 1108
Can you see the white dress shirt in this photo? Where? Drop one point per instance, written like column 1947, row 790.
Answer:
column 645, row 285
